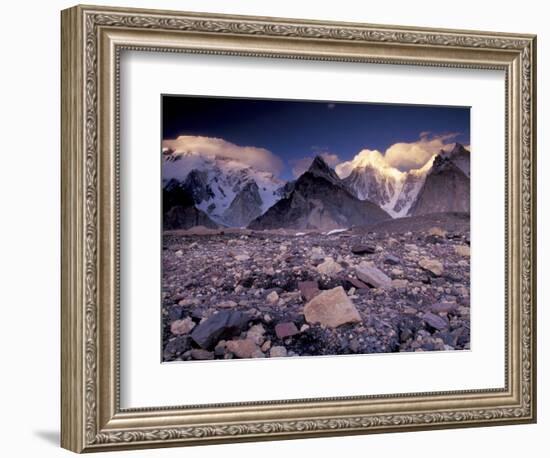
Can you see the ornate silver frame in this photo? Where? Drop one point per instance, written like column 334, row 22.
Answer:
column 92, row 39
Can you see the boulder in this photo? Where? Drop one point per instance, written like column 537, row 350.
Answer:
column 331, row 308
column 272, row 297
column 372, row 276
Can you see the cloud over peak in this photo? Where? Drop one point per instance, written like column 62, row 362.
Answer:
column 260, row 159
column 413, row 155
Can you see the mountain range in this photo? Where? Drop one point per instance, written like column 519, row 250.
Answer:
column 213, row 191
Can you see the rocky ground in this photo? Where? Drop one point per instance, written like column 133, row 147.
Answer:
column 395, row 287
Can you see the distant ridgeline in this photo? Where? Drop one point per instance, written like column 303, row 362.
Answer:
column 217, row 192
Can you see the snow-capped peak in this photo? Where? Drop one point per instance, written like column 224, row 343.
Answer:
column 370, row 177
column 216, row 181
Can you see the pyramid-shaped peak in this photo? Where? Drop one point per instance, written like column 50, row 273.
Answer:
column 320, row 168
column 318, row 164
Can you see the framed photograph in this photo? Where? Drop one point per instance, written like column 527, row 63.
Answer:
column 277, row 228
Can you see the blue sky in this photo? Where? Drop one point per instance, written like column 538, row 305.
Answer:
column 294, row 130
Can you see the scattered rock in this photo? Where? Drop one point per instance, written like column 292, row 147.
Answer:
column 242, row 348
column 331, row 308
column 399, row 283
column 227, row 304
column 363, row 249
column 358, row 284
column 443, row 307
column 317, row 254
column 176, row 347
column 198, row 353
column 432, row 265
column 242, row 257
column 266, row 345
column 287, row 329
column 308, row 289
column 180, row 327
column 278, row 352
column 437, row 231
column 272, row 297
column 329, row 267
column 391, row 260
column 436, row 321
column 462, row 250
column 372, row 276
column 256, row 333
column 221, row 325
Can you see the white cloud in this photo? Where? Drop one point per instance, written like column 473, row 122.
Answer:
column 259, row 158
column 399, row 157
column 362, row 159
column 413, row 155
column 300, row 166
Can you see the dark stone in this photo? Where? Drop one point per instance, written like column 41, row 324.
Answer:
column 436, row 321
column 175, row 312
column 287, row 329
column 450, row 338
column 405, row 335
column 308, row 289
column 433, row 239
column 363, row 249
column 356, row 283
column 392, row 260
column 176, row 347
column 223, row 324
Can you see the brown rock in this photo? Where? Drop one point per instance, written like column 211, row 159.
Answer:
column 399, row 283
column 243, row 348
column 331, row 308
column 437, row 231
column 330, row 268
column 431, row 265
column 462, row 250
column 278, row 352
column 180, row 327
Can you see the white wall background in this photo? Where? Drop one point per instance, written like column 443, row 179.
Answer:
column 29, row 241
